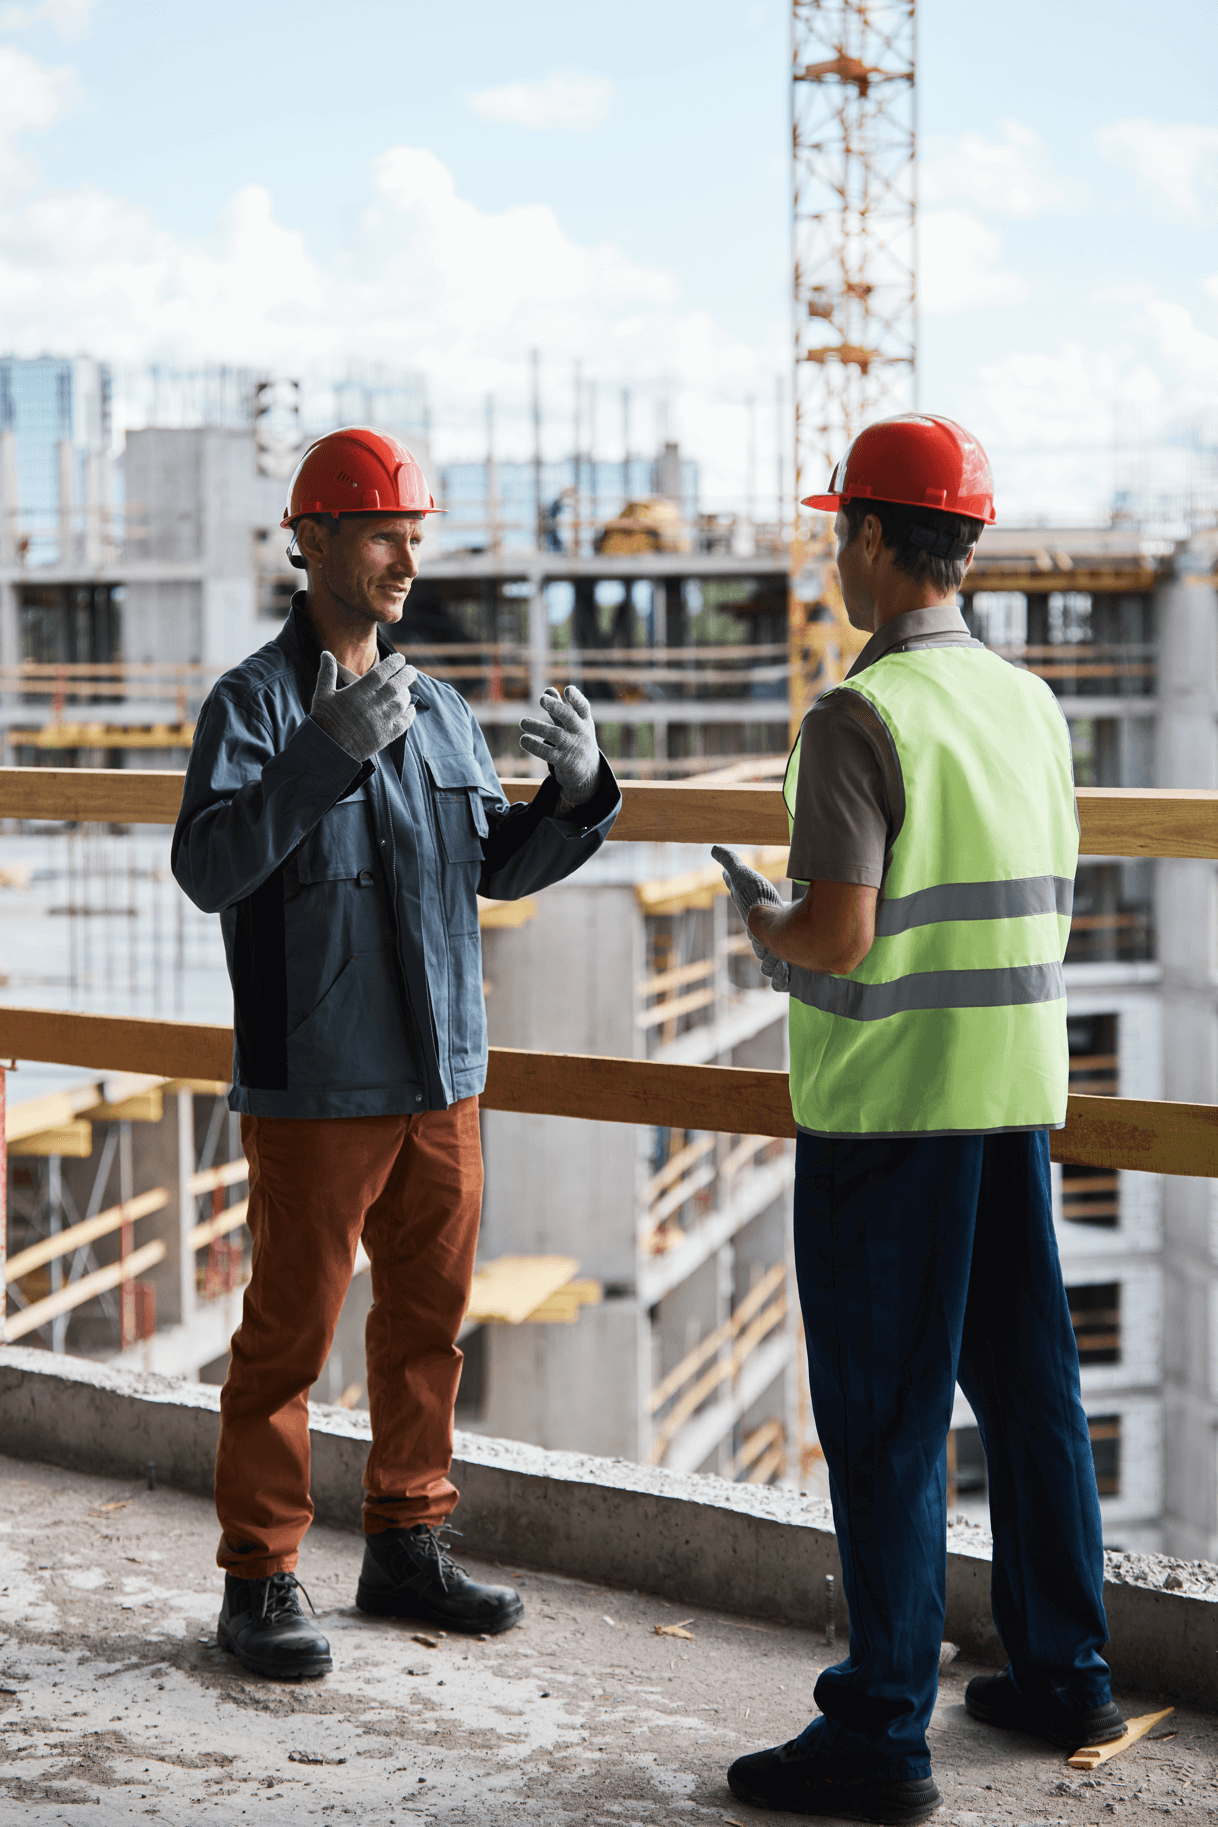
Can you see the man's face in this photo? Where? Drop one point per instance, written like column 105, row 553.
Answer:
column 371, row 562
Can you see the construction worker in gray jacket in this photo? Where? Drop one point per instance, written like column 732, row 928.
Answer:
column 342, row 814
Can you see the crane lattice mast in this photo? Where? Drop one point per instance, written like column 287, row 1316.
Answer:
column 854, row 136
column 854, row 266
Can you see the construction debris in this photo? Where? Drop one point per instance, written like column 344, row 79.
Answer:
column 1092, row 1755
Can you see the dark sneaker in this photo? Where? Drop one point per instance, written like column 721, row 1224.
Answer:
column 788, row 1780
column 261, row 1623
column 409, row 1573
column 996, row 1701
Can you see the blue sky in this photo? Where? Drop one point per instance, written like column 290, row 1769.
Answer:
column 446, row 187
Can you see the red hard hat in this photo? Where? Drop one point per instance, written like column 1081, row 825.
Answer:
column 918, row 459
column 357, row 471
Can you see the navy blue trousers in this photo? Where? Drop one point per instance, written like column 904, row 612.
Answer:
column 923, row 1261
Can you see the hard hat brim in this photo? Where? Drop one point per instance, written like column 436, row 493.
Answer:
column 830, row 503
column 359, row 514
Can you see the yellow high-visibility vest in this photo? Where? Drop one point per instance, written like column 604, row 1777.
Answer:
column 955, row 1022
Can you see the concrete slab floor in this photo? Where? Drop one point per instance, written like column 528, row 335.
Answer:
column 113, row 1695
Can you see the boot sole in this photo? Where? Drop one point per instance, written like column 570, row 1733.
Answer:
column 867, row 1806
column 389, row 1605
column 275, row 1671
column 1031, row 1728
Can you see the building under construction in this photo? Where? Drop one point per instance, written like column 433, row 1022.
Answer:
column 629, row 1257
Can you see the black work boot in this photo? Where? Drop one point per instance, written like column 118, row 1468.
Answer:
column 261, row 1623
column 408, row 1573
column 997, row 1701
column 787, row 1780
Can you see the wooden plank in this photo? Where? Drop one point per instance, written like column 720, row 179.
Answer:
column 63, row 1243
column 145, row 1107
column 1116, row 821
column 72, row 1139
column 111, row 1043
column 51, row 1111
column 563, row 1308
column 1128, row 821
column 1104, row 1132
column 671, row 811
column 636, row 1091
column 230, row 1219
column 1091, row 1756
column 693, row 1360
column 661, row 1013
column 675, row 1166
column 513, row 1287
column 1144, row 1134
column 127, row 1268
column 124, row 796
column 229, row 1173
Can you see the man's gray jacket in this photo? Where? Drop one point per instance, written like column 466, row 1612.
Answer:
column 347, row 891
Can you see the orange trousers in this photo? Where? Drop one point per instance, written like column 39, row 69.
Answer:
column 411, row 1186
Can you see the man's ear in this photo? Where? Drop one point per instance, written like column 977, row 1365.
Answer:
column 311, row 541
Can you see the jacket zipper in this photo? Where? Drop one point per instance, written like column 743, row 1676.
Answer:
column 420, row 1051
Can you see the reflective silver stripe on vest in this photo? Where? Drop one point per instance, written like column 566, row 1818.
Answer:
column 1030, row 894
column 1003, row 988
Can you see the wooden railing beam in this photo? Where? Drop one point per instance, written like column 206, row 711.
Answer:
column 1148, row 1135
column 1116, row 821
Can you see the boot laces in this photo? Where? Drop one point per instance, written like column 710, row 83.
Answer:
column 277, row 1599
column 433, row 1549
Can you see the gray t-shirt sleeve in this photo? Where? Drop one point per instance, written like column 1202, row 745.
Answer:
column 849, row 798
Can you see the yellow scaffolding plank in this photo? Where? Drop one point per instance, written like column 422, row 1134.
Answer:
column 511, row 1288
column 73, row 1139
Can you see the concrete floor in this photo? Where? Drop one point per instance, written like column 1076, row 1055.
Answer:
column 112, row 1695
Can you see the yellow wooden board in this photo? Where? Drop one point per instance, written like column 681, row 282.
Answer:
column 72, row 1139
column 493, row 914
column 512, row 1287
column 147, row 1107
column 1093, row 1755
column 563, row 1308
column 699, row 887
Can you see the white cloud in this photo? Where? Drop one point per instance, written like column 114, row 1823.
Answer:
column 563, row 99
column 428, row 281
column 1176, row 164
column 70, row 18
column 1060, row 424
column 32, row 96
column 959, row 264
column 1010, row 176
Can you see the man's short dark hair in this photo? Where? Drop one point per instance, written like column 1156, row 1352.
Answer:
column 928, row 545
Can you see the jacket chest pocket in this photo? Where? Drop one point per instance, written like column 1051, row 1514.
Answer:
column 460, row 814
column 339, row 848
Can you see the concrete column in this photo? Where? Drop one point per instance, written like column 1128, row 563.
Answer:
column 10, row 498
column 65, row 452
column 539, row 663
column 1187, row 907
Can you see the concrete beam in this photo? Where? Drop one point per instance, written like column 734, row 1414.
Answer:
column 744, row 1548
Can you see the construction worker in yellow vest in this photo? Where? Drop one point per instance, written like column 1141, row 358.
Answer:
column 934, row 840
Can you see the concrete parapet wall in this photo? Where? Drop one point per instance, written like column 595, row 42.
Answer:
column 694, row 1539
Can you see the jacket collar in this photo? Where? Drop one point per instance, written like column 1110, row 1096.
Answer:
column 916, row 624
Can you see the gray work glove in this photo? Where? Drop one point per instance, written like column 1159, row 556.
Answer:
column 367, row 715
column 749, row 890
column 566, row 742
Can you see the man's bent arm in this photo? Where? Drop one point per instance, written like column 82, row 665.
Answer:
column 831, row 928
column 246, row 805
